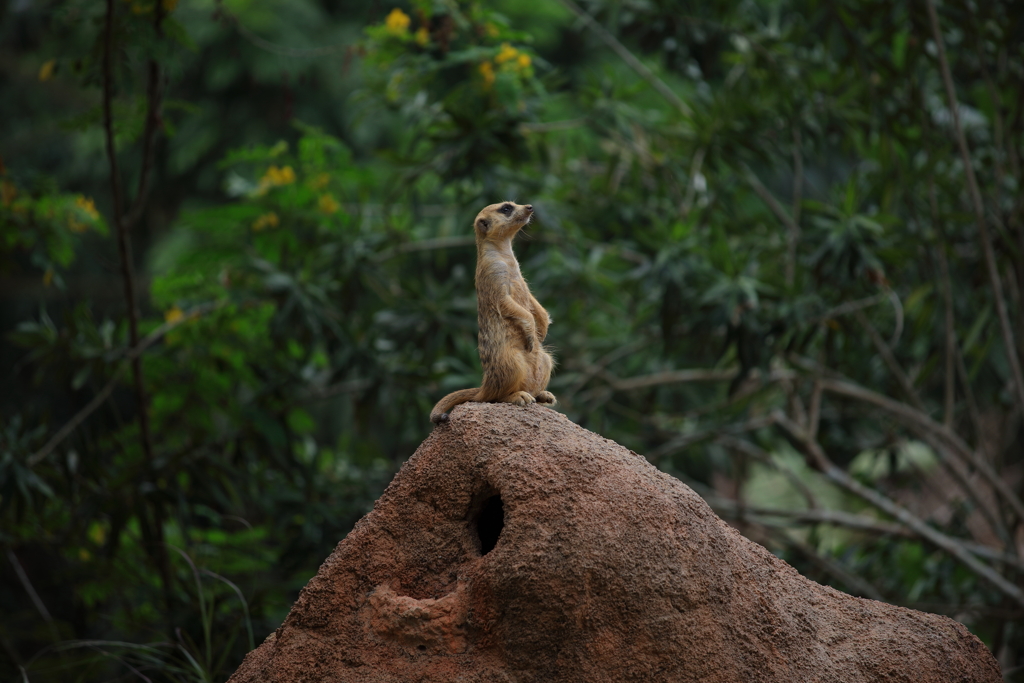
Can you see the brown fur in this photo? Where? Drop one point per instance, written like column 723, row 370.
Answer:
column 513, row 325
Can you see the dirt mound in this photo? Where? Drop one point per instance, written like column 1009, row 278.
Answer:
column 517, row 546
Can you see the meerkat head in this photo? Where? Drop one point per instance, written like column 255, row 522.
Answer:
column 502, row 221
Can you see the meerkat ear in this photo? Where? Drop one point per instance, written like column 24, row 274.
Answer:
column 482, row 224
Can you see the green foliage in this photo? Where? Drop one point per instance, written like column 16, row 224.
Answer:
column 308, row 290
column 45, row 226
column 459, row 83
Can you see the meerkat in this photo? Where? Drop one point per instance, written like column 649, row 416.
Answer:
column 513, row 325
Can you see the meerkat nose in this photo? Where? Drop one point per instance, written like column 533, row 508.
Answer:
column 529, row 207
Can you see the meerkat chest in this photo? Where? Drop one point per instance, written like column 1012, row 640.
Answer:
column 500, row 276
column 516, row 287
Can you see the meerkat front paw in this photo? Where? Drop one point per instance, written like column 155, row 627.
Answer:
column 519, row 398
column 546, row 397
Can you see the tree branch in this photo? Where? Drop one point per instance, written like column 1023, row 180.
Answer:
column 949, row 393
column 628, row 57
column 991, row 266
column 965, row 381
column 153, row 530
column 424, row 245
column 792, row 228
column 851, row 306
column 762, row 515
column 124, row 239
column 890, row 360
column 923, row 423
column 691, row 375
column 154, row 94
column 669, row 377
column 108, row 388
column 856, row 584
column 40, row 606
column 956, row 465
column 274, row 48
column 952, row 546
column 551, row 126
column 814, row 418
column 927, row 425
column 793, row 235
column 685, row 440
column 749, row 449
column 596, row 368
column 346, row 387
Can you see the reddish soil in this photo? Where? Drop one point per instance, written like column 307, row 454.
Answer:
column 516, row 546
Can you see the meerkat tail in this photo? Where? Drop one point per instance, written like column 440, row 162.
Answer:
column 444, row 406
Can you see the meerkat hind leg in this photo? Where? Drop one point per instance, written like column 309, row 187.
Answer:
column 546, row 397
column 519, row 398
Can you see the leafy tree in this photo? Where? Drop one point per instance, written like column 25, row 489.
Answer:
column 782, row 244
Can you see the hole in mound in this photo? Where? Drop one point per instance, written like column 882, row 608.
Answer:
column 489, row 523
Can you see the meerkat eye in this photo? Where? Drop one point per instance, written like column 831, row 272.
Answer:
column 506, row 209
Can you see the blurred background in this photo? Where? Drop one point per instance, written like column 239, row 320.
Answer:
column 782, row 242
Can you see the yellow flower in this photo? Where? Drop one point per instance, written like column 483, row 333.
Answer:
column 422, row 35
column 267, row 220
column 173, row 315
column 491, row 30
column 487, row 71
column 276, row 176
column 87, row 205
column 279, row 176
column 507, row 53
column 328, row 204
column 523, row 61
column 397, row 22
column 46, row 70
